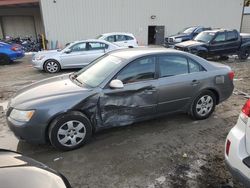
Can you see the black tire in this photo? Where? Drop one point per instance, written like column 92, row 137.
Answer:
column 4, row 59
column 52, row 66
column 202, row 106
column 68, row 134
column 244, row 53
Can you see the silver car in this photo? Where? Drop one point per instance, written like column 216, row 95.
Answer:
column 120, row 88
column 76, row 55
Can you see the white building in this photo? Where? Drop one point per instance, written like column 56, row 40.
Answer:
column 69, row 20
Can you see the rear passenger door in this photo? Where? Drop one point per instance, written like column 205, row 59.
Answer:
column 121, row 40
column 179, row 80
column 95, row 50
column 233, row 42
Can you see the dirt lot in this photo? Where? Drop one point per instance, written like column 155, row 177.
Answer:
column 172, row 151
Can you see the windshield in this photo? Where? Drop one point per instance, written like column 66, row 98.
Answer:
column 99, row 36
column 188, row 30
column 99, row 70
column 204, row 37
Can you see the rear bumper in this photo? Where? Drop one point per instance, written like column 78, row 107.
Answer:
column 16, row 55
column 238, row 175
column 237, row 153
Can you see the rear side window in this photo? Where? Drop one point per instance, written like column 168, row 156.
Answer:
column 120, row 38
column 96, row 46
column 129, row 37
column 194, row 66
column 172, row 65
column 110, row 38
column 138, row 70
column 232, row 36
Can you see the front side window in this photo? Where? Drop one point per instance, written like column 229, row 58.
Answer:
column 172, row 65
column 110, row 38
column 120, row 38
column 221, row 37
column 138, row 70
column 78, row 47
column 96, row 46
column 204, row 37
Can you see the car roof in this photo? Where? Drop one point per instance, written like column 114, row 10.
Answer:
column 131, row 53
column 117, row 33
column 219, row 30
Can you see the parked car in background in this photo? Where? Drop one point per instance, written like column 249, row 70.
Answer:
column 219, row 42
column 237, row 147
column 76, row 55
column 10, row 53
column 121, row 39
column 17, row 170
column 186, row 34
column 119, row 88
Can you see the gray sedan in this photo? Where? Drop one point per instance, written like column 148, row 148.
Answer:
column 119, row 88
column 76, row 55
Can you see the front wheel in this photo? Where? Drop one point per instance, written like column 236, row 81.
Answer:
column 70, row 131
column 52, row 66
column 203, row 106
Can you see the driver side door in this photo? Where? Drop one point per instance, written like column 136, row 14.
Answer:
column 76, row 58
column 137, row 100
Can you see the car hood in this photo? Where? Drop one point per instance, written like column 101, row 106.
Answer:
column 190, row 43
column 27, row 172
column 45, row 90
column 181, row 35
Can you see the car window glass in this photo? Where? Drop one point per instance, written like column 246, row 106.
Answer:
column 199, row 30
column 138, row 70
column 110, row 38
column 96, row 46
column 78, row 47
column 120, row 38
column 172, row 65
column 129, row 37
column 194, row 66
column 231, row 36
column 221, row 37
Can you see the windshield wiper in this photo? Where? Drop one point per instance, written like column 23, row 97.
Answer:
column 74, row 77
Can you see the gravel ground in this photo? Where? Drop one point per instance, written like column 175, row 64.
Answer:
column 172, row 151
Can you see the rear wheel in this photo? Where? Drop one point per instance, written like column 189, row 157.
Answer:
column 244, row 53
column 70, row 131
column 4, row 59
column 52, row 66
column 203, row 106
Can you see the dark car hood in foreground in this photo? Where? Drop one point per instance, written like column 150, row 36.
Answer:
column 190, row 43
column 17, row 170
column 52, row 88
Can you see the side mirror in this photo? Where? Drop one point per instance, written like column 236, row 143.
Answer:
column 67, row 51
column 116, row 84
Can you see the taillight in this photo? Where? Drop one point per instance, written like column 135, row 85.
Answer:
column 14, row 48
column 231, row 75
column 246, row 108
column 228, row 147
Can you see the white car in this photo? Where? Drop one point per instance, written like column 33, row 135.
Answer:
column 121, row 39
column 76, row 55
column 237, row 147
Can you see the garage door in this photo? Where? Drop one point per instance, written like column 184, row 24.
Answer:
column 18, row 26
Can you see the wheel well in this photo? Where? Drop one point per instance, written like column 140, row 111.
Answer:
column 61, row 114
column 216, row 95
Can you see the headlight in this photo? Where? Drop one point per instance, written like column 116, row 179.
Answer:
column 178, row 39
column 40, row 57
column 21, row 115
